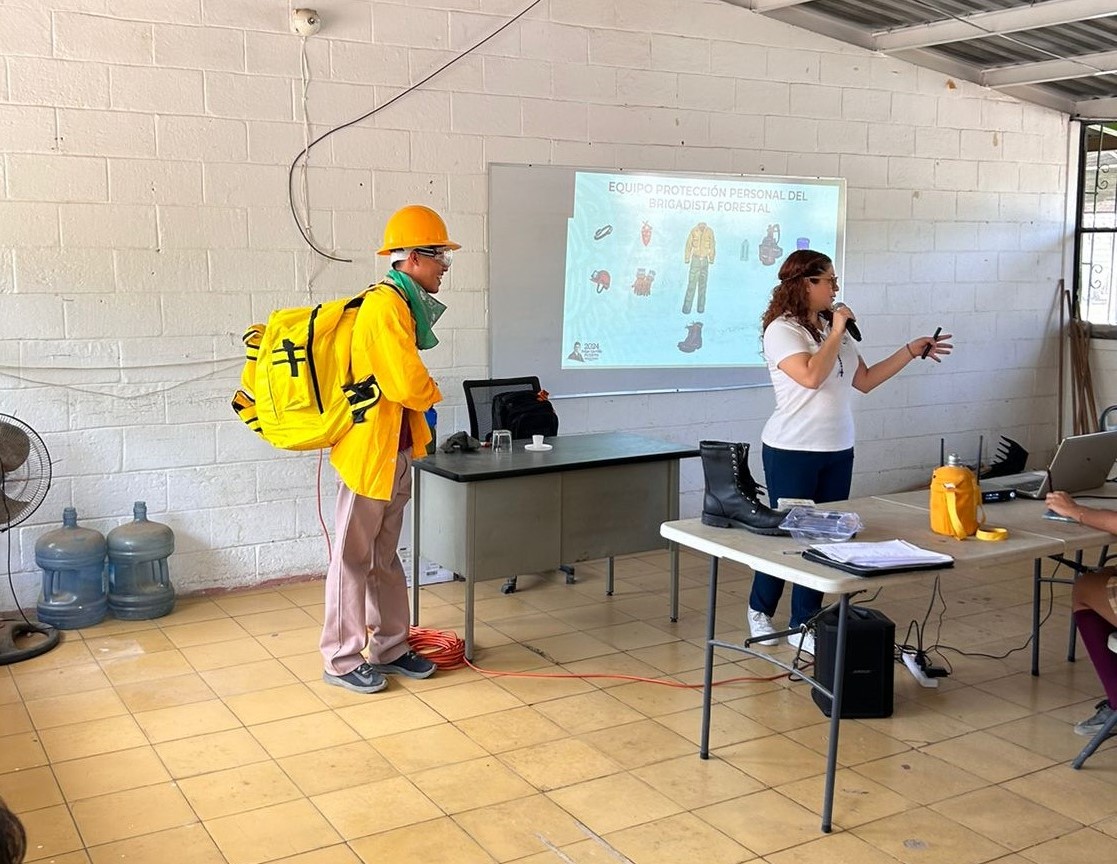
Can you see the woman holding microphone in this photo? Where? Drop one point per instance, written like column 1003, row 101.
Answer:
column 808, row 441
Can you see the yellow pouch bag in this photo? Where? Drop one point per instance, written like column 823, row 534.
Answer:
column 955, row 500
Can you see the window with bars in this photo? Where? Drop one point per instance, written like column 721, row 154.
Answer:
column 1095, row 239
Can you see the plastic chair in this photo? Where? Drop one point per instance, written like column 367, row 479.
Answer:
column 479, row 395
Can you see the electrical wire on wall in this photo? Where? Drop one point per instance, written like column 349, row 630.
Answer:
column 219, row 364
column 304, row 156
column 305, row 229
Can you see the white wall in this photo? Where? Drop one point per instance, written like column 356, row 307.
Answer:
column 144, row 224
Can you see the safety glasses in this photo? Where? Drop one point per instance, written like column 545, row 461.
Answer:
column 445, row 257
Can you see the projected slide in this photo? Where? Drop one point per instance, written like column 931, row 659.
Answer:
column 669, row 271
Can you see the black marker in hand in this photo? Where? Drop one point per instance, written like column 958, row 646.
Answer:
column 927, row 348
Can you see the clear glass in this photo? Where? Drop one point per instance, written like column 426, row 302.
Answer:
column 502, row 441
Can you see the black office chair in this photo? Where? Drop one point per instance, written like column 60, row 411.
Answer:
column 479, row 395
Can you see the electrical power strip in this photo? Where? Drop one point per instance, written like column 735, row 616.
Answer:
column 912, row 662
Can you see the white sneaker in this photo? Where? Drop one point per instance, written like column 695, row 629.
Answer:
column 761, row 625
column 803, row 641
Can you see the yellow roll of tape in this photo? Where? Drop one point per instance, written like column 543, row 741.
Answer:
column 992, row 534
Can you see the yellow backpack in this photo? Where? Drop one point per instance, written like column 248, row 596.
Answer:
column 296, row 388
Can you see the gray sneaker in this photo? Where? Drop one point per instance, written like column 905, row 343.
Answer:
column 410, row 665
column 363, row 679
column 1090, row 728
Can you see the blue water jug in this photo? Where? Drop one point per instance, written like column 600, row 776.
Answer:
column 73, row 563
column 139, row 580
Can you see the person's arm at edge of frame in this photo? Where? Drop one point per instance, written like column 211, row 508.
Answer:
column 1091, row 517
column 868, row 378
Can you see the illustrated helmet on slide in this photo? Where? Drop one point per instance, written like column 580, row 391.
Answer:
column 415, row 226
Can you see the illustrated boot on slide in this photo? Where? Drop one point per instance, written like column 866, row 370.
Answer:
column 693, row 339
column 732, row 497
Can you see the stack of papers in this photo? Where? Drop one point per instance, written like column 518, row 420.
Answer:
column 887, row 554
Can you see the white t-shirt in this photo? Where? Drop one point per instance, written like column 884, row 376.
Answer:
column 817, row 420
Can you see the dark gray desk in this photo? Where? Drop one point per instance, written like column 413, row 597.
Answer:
column 488, row 516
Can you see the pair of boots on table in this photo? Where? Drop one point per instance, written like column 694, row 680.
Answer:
column 732, row 500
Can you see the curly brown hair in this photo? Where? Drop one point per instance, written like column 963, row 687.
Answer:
column 13, row 839
column 790, row 296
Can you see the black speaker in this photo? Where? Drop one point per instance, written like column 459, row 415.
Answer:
column 870, row 637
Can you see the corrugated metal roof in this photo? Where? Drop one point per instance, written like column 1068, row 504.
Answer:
column 1060, row 53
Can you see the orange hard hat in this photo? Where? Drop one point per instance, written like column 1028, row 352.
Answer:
column 415, row 226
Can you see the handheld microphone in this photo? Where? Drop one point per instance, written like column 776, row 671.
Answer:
column 851, row 327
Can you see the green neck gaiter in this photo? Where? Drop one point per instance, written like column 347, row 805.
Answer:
column 425, row 309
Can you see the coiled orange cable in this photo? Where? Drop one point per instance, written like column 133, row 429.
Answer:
column 447, row 651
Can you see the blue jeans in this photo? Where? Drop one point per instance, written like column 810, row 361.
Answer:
column 799, row 474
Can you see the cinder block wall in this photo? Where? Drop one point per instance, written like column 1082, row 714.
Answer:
column 144, row 223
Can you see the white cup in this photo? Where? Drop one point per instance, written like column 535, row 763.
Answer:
column 502, row 441
column 537, row 441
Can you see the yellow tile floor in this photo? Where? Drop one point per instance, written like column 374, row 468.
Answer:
column 208, row 736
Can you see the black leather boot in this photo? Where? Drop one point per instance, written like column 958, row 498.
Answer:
column 732, row 495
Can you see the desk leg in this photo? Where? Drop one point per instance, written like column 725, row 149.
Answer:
column 708, row 676
column 1037, row 574
column 469, row 586
column 416, row 494
column 1073, row 627
column 674, row 581
column 835, row 714
column 609, row 573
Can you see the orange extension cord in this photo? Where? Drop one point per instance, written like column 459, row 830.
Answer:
column 446, row 651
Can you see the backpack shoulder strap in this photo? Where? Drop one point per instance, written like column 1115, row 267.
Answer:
column 388, row 283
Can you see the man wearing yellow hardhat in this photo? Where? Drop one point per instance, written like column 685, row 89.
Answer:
column 366, row 592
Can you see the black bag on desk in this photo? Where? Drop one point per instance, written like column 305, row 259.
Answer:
column 524, row 413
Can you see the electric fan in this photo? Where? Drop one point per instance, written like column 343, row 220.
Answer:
column 24, row 483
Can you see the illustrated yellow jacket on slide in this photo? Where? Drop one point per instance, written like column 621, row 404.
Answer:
column 384, row 346
column 700, row 243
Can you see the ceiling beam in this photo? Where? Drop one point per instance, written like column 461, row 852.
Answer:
column 765, row 6
column 1095, row 109
column 978, row 25
column 966, row 72
column 1042, row 71
column 823, row 25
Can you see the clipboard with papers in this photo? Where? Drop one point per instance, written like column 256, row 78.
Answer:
column 877, row 559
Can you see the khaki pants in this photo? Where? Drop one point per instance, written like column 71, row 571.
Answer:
column 365, row 585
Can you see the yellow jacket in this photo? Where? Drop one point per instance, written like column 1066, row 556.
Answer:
column 700, row 243
column 384, row 346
